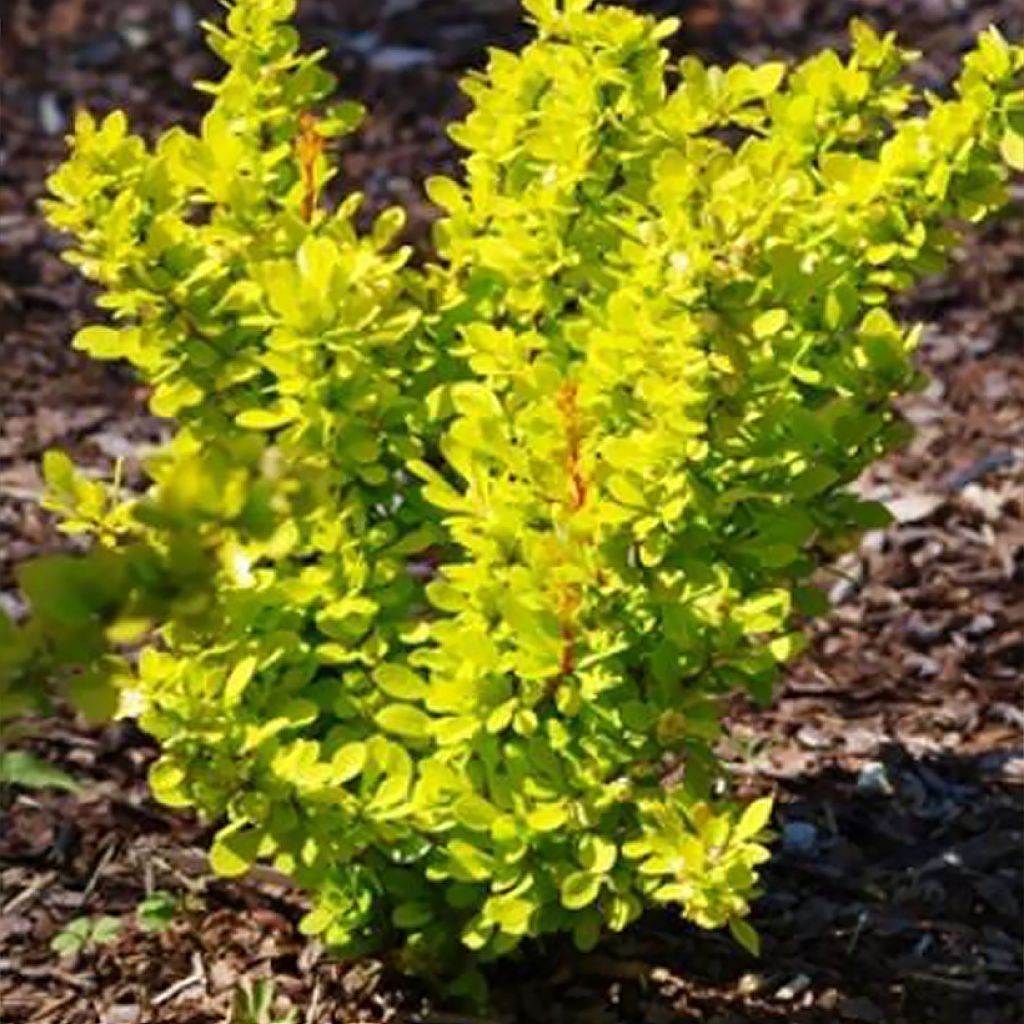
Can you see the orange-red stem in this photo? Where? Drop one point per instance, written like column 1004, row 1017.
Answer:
column 308, row 147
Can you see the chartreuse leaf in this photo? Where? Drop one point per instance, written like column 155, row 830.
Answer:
column 754, row 818
column 445, row 193
column 475, row 812
column 167, row 780
column 267, row 419
column 348, row 761
column 240, row 677
column 234, row 849
column 404, row 720
column 400, row 682
column 1012, row 149
column 101, row 342
column 597, row 854
column 770, row 322
column 579, row 889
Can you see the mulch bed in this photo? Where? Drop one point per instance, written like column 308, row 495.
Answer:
column 895, row 896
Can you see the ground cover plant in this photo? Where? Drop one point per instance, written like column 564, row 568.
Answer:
column 650, row 357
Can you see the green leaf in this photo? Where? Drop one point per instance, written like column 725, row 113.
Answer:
column 388, row 225
column 784, row 648
column 156, row 912
column 341, row 118
column 316, row 921
column 20, row 768
column 745, row 935
column 513, row 915
column 841, row 305
column 586, row 932
column 171, row 397
column 445, row 193
column 472, row 864
column 105, row 929
column 348, row 618
column 95, row 694
column 623, row 489
column 456, row 729
column 73, row 937
column 59, row 471
column 412, row 915
column 765, row 612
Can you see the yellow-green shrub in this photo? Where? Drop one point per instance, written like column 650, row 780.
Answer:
column 442, row 580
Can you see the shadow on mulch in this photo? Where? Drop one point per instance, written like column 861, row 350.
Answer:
column 893, row 897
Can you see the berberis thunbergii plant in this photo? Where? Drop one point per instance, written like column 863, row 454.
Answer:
column 436, row 593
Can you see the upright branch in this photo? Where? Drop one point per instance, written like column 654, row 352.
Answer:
column 568, row 405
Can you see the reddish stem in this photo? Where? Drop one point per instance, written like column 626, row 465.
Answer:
column 308, row 147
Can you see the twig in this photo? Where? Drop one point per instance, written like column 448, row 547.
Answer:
column 101, row 865
column 862, row 919
column 29, row 892
column 312, row 1011
column 50, row 973
column 190, row 882
column 961, row 984
column 177, row 988
column 48, row 1011
column 199, row 967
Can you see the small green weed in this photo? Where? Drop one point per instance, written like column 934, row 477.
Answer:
column 86, row 933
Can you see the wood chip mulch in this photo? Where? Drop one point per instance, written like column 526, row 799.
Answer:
column 895, row 746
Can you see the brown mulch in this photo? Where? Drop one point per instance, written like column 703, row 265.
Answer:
column 895, row 896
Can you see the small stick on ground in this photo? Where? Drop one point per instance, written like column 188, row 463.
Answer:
column 312, row 1011
column 101, row 866
column 175, row 990
column 28, row 893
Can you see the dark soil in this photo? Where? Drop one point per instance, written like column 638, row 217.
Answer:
column 895, row 896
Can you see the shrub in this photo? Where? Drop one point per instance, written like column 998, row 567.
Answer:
column 441, row 583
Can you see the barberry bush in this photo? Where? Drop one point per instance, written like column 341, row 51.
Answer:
column 436, row 594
